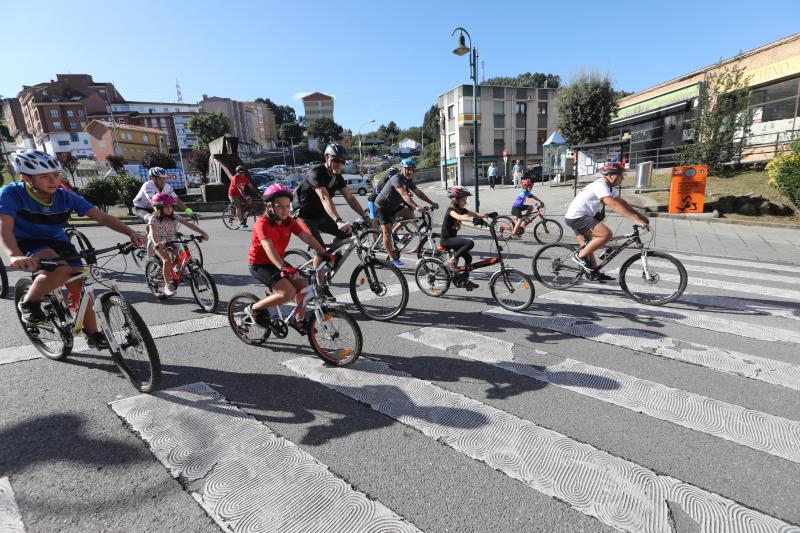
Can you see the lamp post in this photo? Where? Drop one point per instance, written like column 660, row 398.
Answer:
column 460, row 50
column 443, row 128
column 291, row 143
column 360, row 151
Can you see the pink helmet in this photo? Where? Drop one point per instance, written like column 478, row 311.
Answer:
column 162, row 198
column 275, row 190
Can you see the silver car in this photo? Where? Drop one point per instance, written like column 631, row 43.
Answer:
column 362, row 186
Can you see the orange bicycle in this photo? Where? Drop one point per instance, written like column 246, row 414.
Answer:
column 204, row 289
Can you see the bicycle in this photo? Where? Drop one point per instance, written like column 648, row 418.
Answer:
column 3, row 280
column 252, row 208
column 546, row 231
column 510, row 288
column 140, row 255
column 332, row 333
column 204, row 289
column 130, row 342
column 422, row 232
column 77, row 238
column 554, row 268
column 377, row 288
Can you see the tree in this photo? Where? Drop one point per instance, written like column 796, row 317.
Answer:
column 198, row 159
column 157, row 159
column 101, row 193
column 430, row 125
column 536, row 79
column 283, row 113
column 325, row 130
column 290, row 131
column 69, row 163
column 722, row 124
column 784, row 173
column 209, row 127
column 127, row 187
column 116, row 162
column 585, row 108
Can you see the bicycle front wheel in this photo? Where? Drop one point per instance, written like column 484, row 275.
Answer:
column 136, row 355
column 335, row 336
column 51, row 340
column 432, row 277
column 3, row 281
column 204, row 289
column 553, row 268
column 379, row 289
column 548, row 231
column 230, row 219
column 653, row 278
column 242, row 325
column 512, row 289
column 196, row 252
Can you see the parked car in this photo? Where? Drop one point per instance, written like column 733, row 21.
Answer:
column 289, row 183
column 362, row 186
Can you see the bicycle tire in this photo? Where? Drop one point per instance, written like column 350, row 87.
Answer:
column 338, row 354
column 61, row 344
column 154, row 277
column 549, row 262
column 195, row 251
column 3, row 281
column 512, row 281
column 137, row 357
column 372, row 240
column 504, row 225
column 229, row 218
column 426, row 250
column 409, row 238
column 296, row 257
column 625, row 282
column 362, row 277
column 245, row 330
column 78, row 239
column 432, row 277
column 548, row 231
column 208, row 303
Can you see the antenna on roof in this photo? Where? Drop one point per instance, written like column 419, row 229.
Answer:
column 178, row 88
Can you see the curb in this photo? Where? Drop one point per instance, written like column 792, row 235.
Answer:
column 711, row 218
column 137, row 222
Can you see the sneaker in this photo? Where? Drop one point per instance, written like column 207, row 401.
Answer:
column 583, row 263
column 259, row 316
column 454, row 267
column 31, row 312
column 398, row 263
column 602, row 278
column 470, row 285
column 244, row 224
column 297, row 325
column 326, row 294
column 169, row 290
column 97, row 340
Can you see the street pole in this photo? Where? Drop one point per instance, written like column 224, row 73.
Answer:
column 360, row 149
column 283, row 151
column 460, row 50
column 178, row 144
column 443, row 127
column 291, row 143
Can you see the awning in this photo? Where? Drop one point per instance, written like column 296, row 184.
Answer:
column 649, row 115
column 555, row 138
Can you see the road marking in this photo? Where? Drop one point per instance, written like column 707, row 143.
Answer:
column 615, row 491
column 751, row 306
column 757, row 430
column 741, row 364
column 749, row 274
column 15, row 354
column 243, row 475
column 367, row 295
column 685, row 317
column 736, row 262
column 10, row 517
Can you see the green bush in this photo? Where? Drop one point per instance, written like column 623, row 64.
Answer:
column 784, row 174
column 100, row 192
column 127, row 187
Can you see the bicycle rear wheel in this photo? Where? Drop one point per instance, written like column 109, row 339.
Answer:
column 405, row 239
column 373, row 240
column 336, row 339
column 512, row 289
column 505, row 225
column 154, row 277
column 553, row 268
column 548, row 231
column 48, row 337
column 230, row 219
column 379, row 289
column 659, row 280
column 242, row 325
column 3, row 281
column 432, row 277
column 296, row 257
column 204, row 289
column 137, row 355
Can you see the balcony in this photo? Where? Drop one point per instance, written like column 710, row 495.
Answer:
column 465, row 149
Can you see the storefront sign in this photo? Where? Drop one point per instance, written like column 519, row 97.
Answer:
column 688, row 189
column 781, row 69
column 681, row 95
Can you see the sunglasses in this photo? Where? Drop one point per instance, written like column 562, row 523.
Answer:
column 339, row 161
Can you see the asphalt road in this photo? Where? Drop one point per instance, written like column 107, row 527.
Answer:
column 587, row 413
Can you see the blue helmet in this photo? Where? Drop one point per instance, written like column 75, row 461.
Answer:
column 408, row 162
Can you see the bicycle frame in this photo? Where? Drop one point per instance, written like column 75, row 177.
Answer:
column 630, row 240
column 309, row 295
column 491, row 260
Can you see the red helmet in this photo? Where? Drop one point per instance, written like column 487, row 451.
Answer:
column 527, row 184
column 458, row 192
column 276, row 190
column 162, row 199
column 612, row 168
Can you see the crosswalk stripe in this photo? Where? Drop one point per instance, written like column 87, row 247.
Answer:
column 736, row 262
column 739, row 304
column 15, row 354
column 757, row 430
column 367, row 295
column 615, row 491
column 680, row 316
column 10, row 517
column 748, row 274
column 746, row 365
column 243, row 475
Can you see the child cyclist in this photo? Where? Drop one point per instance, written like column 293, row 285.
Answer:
column 456, row 214
column 520, row 207
column 162, row 226
column 271, row 234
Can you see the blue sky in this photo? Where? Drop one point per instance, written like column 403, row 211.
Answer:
column 381, row 60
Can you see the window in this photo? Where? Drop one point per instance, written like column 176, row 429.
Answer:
column 542, row 121
column 542, row 108
column 451, row 140
column 521, row 108
column 520, row 135
column 146, row 138
column 87, row 142
column 520, row 147
column 44, row 93
column 63, row 143
column 521, row 94
column 130, row 136
column 499, row 135
column 83, row 124
column 73, row 137
column 499, row 121
column 80, row 112
column 498, row 107
column 498, row 92
column 521, row 120
column 450, row 115
column 73, row 125
column 57, row 125
column 70, row 113
column 54, row 113
column 163, row 122
column 776, row 91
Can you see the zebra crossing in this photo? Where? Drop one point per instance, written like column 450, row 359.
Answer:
column 248, row 477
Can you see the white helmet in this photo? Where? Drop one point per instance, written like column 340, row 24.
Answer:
column 33, row 162
column 157, row 172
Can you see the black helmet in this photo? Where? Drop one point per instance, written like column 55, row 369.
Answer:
column 240, row 168
column 336, row 150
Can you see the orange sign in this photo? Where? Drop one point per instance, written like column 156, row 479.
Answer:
column 688, row 189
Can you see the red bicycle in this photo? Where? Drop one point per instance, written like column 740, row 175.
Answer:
column 204, row 289
column 546, row 231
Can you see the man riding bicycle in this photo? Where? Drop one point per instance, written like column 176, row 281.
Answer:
column 240, row 183
column 587, row 210
column 33, row 215
column 314, row 199
column 157, row 183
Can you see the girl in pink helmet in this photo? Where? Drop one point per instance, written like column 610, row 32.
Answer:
column 162, row 226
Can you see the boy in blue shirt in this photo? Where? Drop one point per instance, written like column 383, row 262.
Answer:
column 520, row 207
column 33, row 214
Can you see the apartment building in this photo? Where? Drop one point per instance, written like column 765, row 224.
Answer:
column 130, row 142
column 316, row 106
column 252, row 122
column 517, row 119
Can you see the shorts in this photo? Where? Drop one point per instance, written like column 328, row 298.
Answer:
column 581, row 225
column 521, row 211
column 371, row 208
column 385, row 216
column 142, row 213
column 62, row 248
column 238, row 201
column 268, row 274
column 318, row 226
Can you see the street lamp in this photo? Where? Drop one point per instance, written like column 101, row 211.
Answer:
column 462, row 49
column 283, row 151
column 360, row 151
column 443, row 129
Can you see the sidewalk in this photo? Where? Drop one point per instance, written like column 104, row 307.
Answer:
column 689, row 236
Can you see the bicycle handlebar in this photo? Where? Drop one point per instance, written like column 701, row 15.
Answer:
column 89, row 255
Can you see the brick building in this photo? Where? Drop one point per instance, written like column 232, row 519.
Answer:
column 252, row 122
column 130, row 142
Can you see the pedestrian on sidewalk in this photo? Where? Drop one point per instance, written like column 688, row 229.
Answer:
column 492, row 175
column 518, row 170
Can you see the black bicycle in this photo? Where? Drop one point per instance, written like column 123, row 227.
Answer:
column 419, row 237
column 377, row 288
column 649, row 277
